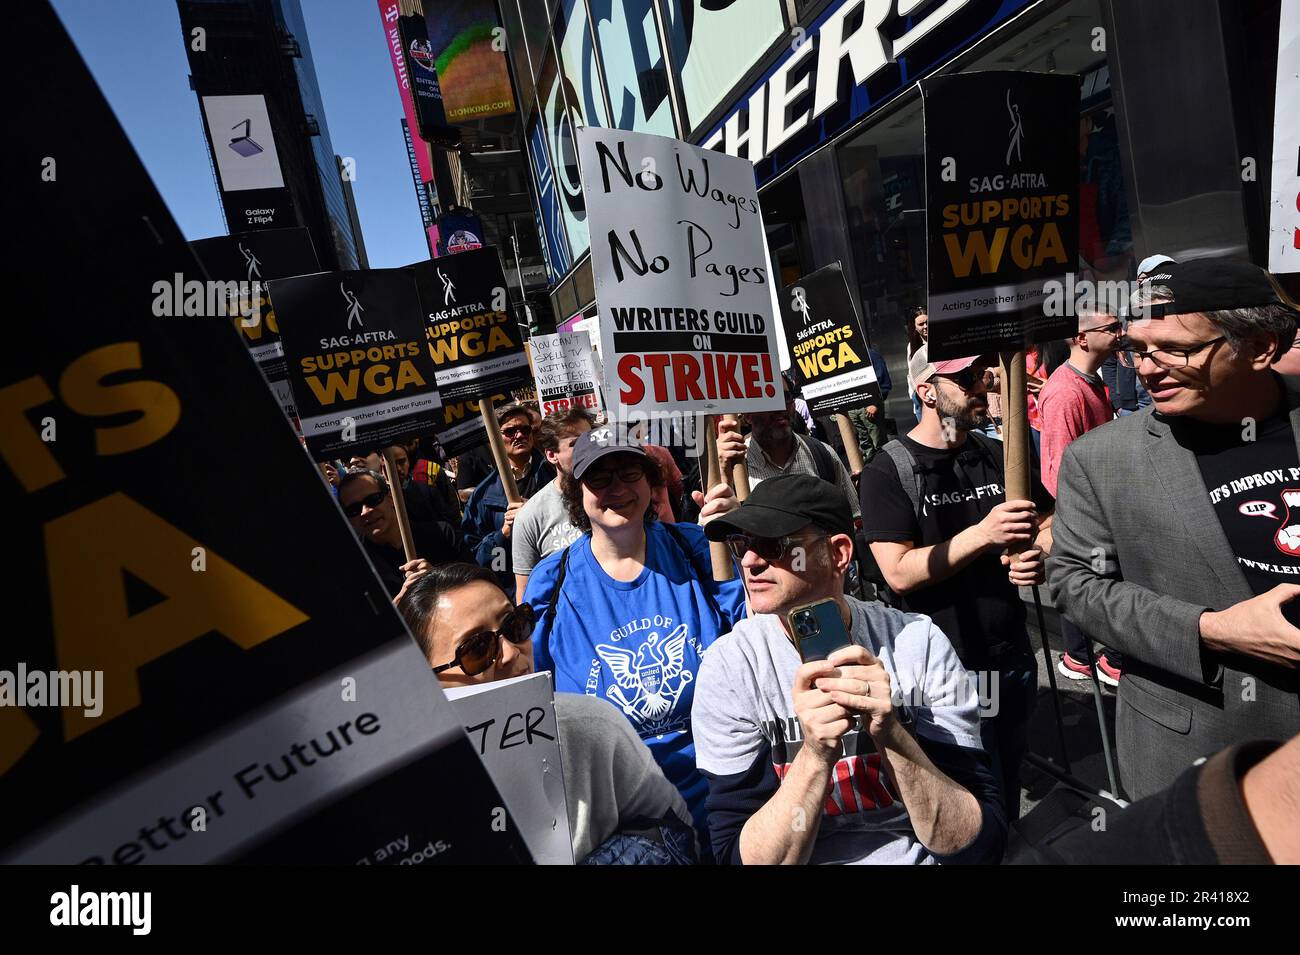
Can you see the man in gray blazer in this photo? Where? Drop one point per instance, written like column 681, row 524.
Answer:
column 1177, row 530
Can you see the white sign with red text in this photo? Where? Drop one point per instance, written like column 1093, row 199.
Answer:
column 565, row 371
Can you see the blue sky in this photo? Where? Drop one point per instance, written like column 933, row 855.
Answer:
column 137, row 54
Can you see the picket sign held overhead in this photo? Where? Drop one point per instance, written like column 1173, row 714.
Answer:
column 251, row 259
column 565, row 371
column 687, row 309
column 513, row 724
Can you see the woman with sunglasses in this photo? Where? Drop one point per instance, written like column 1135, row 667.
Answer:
column 489, row 518
column 471, row 633
column 626, row 611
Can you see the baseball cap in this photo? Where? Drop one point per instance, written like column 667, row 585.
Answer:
column 1151, row 262
column 1215, row 284
column 593, row 445
column 922, row 369
column 784, row 504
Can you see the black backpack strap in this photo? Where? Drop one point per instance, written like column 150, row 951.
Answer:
column 548, row 617
column 908, row 476
column 704, row 574
column 823, row 460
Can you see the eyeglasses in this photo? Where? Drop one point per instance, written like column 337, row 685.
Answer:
column 371, row 501
column 479, row 651
column 1112, row 329
column 1167, row 358
column 517, row 431
column 966, row 378
column 599, row 480
column 769, row 548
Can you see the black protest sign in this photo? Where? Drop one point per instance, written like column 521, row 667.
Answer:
column 460, row 427
column 354, row 345
column 827, row 345
column 191, row 689
column 1002, row 190
column 246, row 262
column 477, row 347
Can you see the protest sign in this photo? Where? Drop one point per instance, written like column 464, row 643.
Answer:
column 827, row 343
column 461, row 427
column 513, row 725
column 1002, row 189
column 251, row 259
column 686, row 304
column 354, row 345
column 1284, row 211
column 193, row 693
column 565, row 372
column 477, row 348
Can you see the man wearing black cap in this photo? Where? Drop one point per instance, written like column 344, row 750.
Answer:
column 1177, row 535
column 870, row 755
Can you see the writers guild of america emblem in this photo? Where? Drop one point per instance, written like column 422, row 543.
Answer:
column 648, row 680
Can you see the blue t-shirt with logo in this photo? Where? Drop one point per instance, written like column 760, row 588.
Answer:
column 638, row 643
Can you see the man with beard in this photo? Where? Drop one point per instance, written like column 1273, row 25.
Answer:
column 774, row 448
column 935, row 513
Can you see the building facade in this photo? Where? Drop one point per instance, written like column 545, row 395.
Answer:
column 1175, row 122
column 250, row 61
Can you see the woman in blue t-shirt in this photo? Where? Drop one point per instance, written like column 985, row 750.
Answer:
column 626, row 611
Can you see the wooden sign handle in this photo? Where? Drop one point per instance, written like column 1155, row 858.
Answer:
column 498, row 447
column 399, row 504
column 850, row 437
column 712, row 474
column 739, row 476
column 1015, row 429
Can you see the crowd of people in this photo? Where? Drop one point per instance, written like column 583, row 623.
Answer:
column 1163, row 518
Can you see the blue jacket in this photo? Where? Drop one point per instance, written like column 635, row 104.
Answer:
column 882, row 372
column 485, row 512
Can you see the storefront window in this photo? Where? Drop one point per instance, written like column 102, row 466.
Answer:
column 635, row 70
column 574, row 102
column 883, row 176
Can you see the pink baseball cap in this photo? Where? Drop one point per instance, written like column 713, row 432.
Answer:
column 923, row 369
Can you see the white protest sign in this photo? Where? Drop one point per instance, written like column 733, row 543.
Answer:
column 688, row 318
column 565, row 371
column 1284, row 228
column 512, row 724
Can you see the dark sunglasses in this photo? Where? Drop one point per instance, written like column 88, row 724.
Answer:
column 1111, row 329
column 769, row 548
column 371, row 501
column 479, row 651
column 517, row 431
column 599, row 480
column 966, row 378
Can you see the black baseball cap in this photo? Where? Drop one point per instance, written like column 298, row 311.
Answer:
column 593, row 445
column 1215, row 284
column 783, row 505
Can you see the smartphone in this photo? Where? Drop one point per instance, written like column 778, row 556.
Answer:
column 818, row 629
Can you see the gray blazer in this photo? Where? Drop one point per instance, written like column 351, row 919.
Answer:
column 1137, row 556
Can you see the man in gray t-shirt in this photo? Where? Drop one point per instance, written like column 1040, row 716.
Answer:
column 542, row 526
column 871, row 755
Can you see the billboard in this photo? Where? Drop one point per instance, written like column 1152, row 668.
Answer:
column 470, row 59
column 242, row 142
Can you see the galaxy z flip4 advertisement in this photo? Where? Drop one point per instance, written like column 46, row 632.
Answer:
column 828, row 348
column 247, row 261
column 185, row 691
column 476, row 345
column 1002, row 201
column 354, row 345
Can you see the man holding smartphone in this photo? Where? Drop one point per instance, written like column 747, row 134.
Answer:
column 870, row 755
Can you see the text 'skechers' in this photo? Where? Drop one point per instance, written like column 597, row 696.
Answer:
column 828, row 349
column 261, row 699
column 683, row 282
column 360, row 371
column 1002, row 207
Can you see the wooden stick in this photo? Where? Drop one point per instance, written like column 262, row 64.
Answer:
column 739, row 476
column 499, row 451
column 399, row 504
column 1015, row 426
column 712, row 474
column 850, row 436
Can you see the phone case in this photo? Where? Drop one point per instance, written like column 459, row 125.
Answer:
column 831, row 633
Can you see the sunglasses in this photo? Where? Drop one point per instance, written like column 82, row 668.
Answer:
column 769, row 548
column 599, row 480
column 517, row 431
column 371, row 501
column 1113, row 328
column 966, row 378
column 479, row 651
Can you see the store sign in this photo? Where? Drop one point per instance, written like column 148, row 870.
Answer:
column 688, row 318
column 550, row 216
column 1002, row 208
column 803, row 101
column 1284, row 223
column 827, row 343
